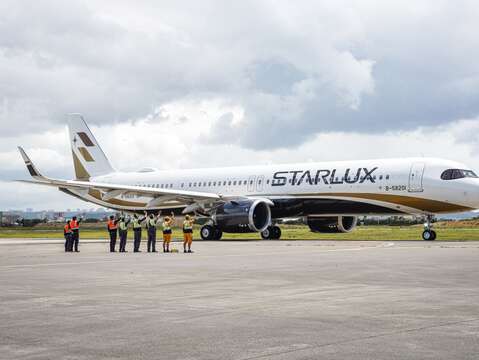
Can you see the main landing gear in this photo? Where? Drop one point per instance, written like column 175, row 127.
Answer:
column 271, row 232
column 428, row 234
column 210, row 232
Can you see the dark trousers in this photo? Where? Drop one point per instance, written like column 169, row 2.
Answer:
column 75, row 239
column 112, row 240
column 151, row 239
column 137, row 239
column 68, row 240
column 123, row 236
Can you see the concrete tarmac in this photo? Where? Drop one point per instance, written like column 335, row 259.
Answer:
column 242, row 300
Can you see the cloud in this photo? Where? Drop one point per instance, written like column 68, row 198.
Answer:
column 375, row 66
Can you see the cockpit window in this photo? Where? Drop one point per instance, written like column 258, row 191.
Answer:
column 451, row 174
column 469, row 173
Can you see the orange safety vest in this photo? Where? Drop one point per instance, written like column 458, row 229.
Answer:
column 66, row 229
column 74, row 225
column 112, row 225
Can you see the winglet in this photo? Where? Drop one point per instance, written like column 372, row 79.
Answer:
column 31, row 168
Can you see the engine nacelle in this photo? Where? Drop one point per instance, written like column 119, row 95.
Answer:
column 243, row 216
column 339, row 224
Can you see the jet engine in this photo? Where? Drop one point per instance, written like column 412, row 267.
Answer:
column 243, row 215
column 329, row 224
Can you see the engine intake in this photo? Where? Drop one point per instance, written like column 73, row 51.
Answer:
column 339, row 224
column 244, row 215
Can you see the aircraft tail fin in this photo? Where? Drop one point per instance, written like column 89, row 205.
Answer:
column 89, row 159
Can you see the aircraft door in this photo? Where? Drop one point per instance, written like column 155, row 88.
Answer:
column 415, row 177
column 251, row 183
column 260, row 183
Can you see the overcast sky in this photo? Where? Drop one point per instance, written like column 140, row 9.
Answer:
column 180, row 84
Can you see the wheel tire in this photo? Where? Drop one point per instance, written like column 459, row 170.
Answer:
column 217, row 234
column 266, row 233
column 433, row 233
column 276, row 233
column 207, row 232
column 427, row 235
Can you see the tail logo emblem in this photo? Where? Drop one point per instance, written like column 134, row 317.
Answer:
column 86, row 140
column 83, row 150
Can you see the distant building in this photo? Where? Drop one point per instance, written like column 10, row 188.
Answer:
column 9, row 219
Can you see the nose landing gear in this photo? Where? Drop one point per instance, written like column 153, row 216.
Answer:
column 428, row 234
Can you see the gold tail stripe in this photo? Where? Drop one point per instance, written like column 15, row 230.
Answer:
column 86, row 155
column 80, row 171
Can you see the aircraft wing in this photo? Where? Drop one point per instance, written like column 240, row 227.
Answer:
column 109, row 191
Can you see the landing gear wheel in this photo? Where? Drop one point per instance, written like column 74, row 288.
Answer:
column 429, row 235
column 271, row 233
column 266, row 233
column 207, row 232
column 276, row 232
column 217, row 234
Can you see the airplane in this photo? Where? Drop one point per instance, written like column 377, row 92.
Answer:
column 328, row 195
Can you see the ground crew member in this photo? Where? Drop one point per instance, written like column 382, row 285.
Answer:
column 67, row 232
column 112, row 227
column 123, row 231
column 137, row 232
column 75, row 226
column 188, row 232
column 167, row 224
column 151, row 223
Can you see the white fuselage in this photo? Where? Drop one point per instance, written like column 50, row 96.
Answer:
column 409, row 185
